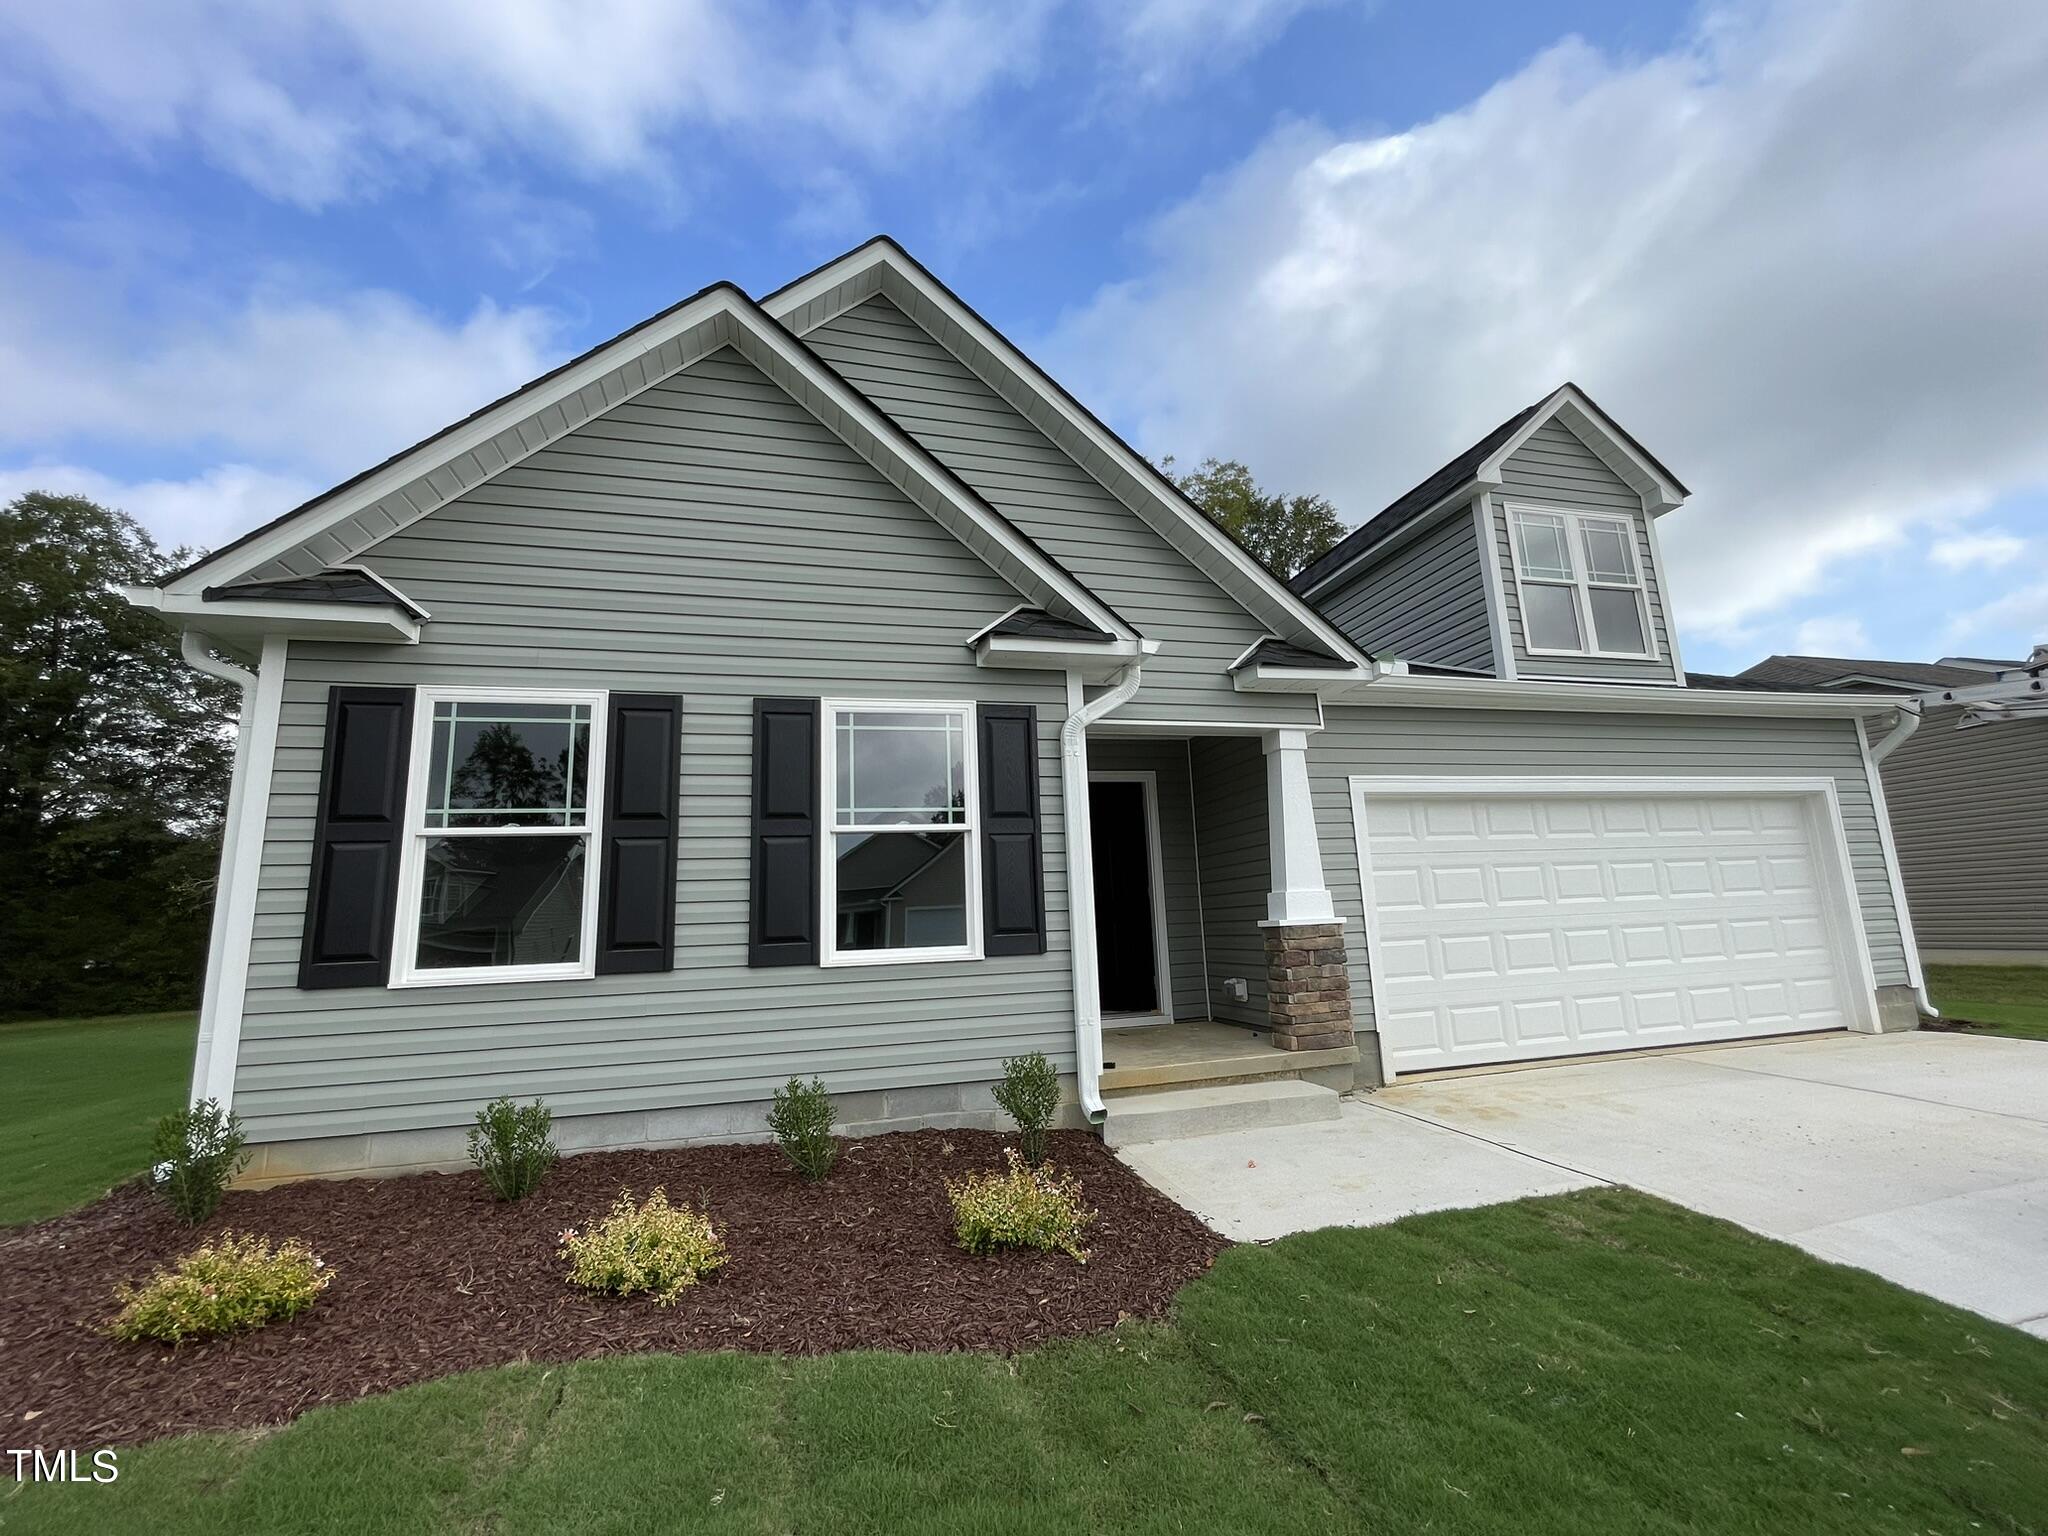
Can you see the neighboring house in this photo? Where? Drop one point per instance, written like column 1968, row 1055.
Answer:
column 811, row 685
column 1966, row 799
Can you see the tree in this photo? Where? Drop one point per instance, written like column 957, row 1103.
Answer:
column 1284, row 532
column 114, row 762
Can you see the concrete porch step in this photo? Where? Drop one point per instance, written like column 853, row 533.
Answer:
column 1173, row 1114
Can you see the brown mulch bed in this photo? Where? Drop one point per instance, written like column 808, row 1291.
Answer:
column 432, row 1276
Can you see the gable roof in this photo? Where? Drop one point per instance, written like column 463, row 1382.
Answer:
column 1480, row 466
column 882, row 268
column 1803, row 672
column 335, row 527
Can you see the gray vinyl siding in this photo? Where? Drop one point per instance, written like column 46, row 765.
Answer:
column 1425, row 601
column 1449, row 743
column 1971, row 833
column 707, row 538
column 974, row 432
column 1554, row 467
column 1230, row 826
column 1170, row 765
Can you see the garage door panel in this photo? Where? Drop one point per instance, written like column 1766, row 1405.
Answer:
column 1510, row 927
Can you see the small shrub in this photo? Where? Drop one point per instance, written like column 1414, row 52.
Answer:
column 1023, row 1207
column 229, row 1285
column 658, row 1248
column 513, row 1147
column 1030, row 1095
column 196, row 1153
column 801, row 1118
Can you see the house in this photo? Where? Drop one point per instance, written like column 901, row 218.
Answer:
column 810, row 685
column 1964, row 793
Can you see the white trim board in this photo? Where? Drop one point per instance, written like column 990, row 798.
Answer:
column 1824, row 810
column 1155, row 862
column 881, row 268
column 1873, row 774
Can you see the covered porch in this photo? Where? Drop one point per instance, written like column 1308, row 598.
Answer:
column 1218, row 955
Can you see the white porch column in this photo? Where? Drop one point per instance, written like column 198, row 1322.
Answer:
column 1298, row 894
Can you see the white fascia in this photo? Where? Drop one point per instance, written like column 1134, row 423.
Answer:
column 1097, row 661
column 1603, row 698
column 1592, row 427
column 1095, row 441
column 241, row 624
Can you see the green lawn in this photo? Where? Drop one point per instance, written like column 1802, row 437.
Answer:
column 83, row 1097
column 2001, row 999
column 1596, row 1362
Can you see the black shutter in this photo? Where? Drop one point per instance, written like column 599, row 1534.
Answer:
column 1012, row 858
column 352, row 894
column 636, row 910
column 782, row 924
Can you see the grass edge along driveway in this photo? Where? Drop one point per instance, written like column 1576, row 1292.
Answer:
column 1599, row 1361
column 2009, row 1000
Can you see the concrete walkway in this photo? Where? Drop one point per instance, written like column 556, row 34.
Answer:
column 1923, row 1157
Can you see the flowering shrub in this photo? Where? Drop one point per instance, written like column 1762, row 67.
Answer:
column 196, row 1152
column 658, row 1248
column 1024, row 1207
column 513, row 1147
column 231, row 1284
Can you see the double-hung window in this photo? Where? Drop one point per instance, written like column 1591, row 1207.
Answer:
column 497, row 880
column 1580, row 584
column 902, row 866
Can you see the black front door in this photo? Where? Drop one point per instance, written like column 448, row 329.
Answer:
column 1123, row 897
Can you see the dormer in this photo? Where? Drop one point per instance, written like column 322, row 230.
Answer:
column 1531, row 556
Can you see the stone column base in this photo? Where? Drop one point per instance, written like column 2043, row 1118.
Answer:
column 1308, row 986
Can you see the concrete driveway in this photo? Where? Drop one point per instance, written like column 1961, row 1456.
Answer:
column 1921, row 1156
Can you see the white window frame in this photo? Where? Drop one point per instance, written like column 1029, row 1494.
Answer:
column 1582, row 582
column 406, row 970
column 830, row 830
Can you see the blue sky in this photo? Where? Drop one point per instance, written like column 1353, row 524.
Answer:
column 1796, row 248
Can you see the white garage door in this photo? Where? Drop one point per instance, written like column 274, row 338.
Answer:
column 1517, row 925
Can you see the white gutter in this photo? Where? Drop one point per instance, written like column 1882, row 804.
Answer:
column 241, row 861
column 1909, row 722
column 1081, row 880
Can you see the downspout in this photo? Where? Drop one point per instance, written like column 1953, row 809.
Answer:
column 1909, row 722
column 193, row 646
column 1081, row 884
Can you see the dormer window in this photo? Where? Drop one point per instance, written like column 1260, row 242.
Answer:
column 1580, row 584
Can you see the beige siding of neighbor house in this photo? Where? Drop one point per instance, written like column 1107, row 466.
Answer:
column 706, row 538
column 1969, row 816
column 974, row 432
column 1555, row 469
column 1448, row 743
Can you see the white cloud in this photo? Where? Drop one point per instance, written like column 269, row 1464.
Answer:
column 2016, row 622
column 1990, row 549
column 317, row 102
column 203, row 512
column 1790, row 255
column 1161, row 39
column 1834, row 634
column 318, row 383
